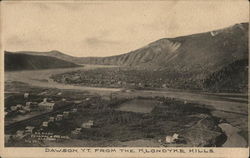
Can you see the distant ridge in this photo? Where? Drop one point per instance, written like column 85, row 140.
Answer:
column 207, row 51
column 204, row 51
column 19, row 61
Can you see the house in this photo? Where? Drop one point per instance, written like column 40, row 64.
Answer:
column 50, row 139
column 172, row 139
column 57, row 136
column 26, row 108
column 6, row 138
column 88, row 124
column 45, row 124
column 164, row 85
column 46, row 105
column 64, row 137
column 29, row 129
column 63, row 99
column 13, row 108
column 77, row 101
column 28, row 103
column 76, row 131
column 74, row 110
column 19, row 106
column 20, row 134
column 51, row 119
column 59, row 117
column 26, row 95
column 65, row 114
column 33, row 104
column 22, row 111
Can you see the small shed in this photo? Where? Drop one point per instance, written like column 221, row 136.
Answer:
column 26, row 95
column 13, row 108
column 65, row 114
column 51, row 119
column 29, row 129
column 45, row 124
column 74, row 110
column 59, row 117
column 88, row 124
column 20, row 134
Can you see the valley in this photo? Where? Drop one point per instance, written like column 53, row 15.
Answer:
column 215, row 105
column 187, row 91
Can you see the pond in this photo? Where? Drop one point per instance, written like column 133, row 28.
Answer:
column 138, row 105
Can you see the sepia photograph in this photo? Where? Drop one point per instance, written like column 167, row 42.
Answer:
column 131, row 74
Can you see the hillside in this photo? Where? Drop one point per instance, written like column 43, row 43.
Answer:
column 232, row 77
column 200, row 52
column 19, row 61
column 209, row 51
column 53, row 53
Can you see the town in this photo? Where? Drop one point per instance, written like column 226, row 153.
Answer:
column 125, row 77
column 52, row 117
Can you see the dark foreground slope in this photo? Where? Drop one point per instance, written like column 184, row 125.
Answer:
column 19, row 61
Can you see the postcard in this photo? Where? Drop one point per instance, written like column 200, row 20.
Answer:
column 124, row 78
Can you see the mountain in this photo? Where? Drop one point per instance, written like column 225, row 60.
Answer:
column 20, row 61
column 214, row 61
column 207, row 51
column 53, row 53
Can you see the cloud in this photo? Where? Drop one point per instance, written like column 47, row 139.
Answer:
column 84, row 28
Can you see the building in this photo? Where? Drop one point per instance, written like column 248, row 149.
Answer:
column 63, row 99
column 13, row 108
column 26, row 108
column 20, row 134
column 29, row 129
column 172, row 139
column 22, row 111
column 26, row 95
column 28, row 103
column 164, row 86
column 76, row 131
column 51, row 119
column 74, row 110
column 65, row 114
column 46, row 105
column 57, row 136
column 45, row 124
column 59, row 117
column 6, row 138
column 19, row 106
column 88, row 124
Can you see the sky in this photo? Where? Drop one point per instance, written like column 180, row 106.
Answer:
column 84, row 28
